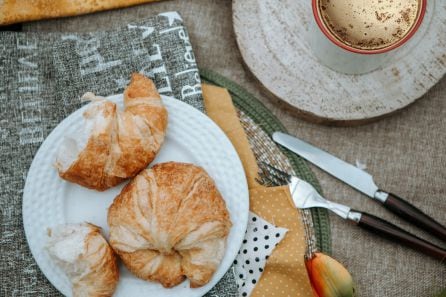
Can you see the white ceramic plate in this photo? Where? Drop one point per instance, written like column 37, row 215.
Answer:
column 191, row 137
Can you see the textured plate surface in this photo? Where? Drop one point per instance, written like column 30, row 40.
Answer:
column 191, row 137
column 273, row 39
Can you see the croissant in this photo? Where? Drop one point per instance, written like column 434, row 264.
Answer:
column 86, row 258
column 115, row 145
column 170, row 222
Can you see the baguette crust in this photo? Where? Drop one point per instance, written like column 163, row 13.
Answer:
column 170, row 222
column 13, row 11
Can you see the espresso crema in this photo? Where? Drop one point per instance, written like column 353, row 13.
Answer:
column 369, row 24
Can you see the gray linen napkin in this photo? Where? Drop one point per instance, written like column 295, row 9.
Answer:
column 42, row 77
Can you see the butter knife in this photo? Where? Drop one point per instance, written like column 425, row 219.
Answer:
column 361, row 181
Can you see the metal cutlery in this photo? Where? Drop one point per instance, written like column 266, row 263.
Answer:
column 305, row 195
column 361, row 181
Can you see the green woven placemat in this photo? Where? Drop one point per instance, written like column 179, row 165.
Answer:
column 252, row 107
column 442, row 293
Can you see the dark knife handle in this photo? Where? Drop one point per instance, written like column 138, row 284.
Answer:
column 396, row 234
column 415, row 216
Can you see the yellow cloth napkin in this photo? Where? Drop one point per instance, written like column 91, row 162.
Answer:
column 285, row 273
column 17, row 11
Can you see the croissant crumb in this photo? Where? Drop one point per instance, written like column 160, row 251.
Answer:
column 85, row 256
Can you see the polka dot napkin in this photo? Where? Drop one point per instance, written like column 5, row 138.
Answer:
column 260, row 240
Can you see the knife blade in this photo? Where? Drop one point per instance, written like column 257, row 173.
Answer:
column 346, row 172
column 361, row 181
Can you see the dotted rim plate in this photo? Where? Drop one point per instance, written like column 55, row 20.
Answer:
column 191, row 137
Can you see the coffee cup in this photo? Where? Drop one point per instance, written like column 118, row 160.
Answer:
column 357, row 36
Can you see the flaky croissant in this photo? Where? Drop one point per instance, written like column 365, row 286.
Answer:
column 115, row 145
column 86, row 258
column 170, row 222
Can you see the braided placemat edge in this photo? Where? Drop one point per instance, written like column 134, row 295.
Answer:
column 255, row 109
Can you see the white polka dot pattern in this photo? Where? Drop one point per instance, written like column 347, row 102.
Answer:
column 260, row 240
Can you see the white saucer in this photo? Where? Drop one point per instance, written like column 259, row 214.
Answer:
column 273, row 39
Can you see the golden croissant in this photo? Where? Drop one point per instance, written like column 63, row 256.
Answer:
column 170, row 222
column 87, row 259
column 115, row 145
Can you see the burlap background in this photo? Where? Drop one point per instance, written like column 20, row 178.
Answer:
column 406, row 152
